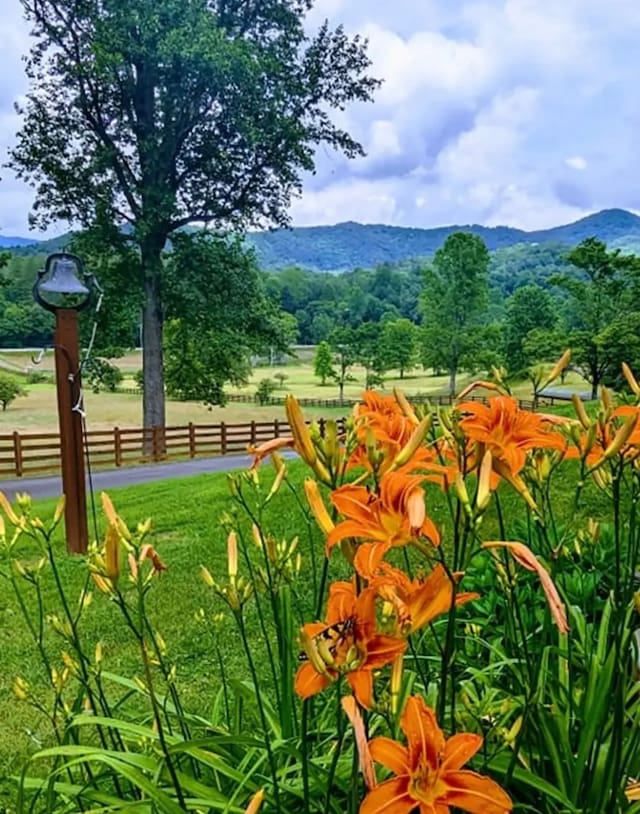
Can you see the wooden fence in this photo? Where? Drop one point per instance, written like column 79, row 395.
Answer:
column 33, row 453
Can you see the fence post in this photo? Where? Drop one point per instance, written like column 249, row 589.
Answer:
column 156, row 443
column 253, row 433
column 17, row 453
column 223, row 438
column 321, row 425
column 117, row 445
column 192, row 440
column 276, row 428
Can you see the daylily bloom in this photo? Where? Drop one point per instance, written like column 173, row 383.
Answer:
column 365, row 763
column 391, row 427
column 619, row 433
column 417, row 602
column 507, row 431
column 268, row 448
column 393, row 518
column 523, row 555
column 346, row 644
column 428, row 775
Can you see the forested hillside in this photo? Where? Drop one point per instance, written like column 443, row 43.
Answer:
column 319, row 301
column 348, row 246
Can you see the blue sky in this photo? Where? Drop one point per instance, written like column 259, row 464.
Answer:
column 518, row 112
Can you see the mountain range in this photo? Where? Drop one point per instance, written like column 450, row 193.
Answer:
column 354, row 245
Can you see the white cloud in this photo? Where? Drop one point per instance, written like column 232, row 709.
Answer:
column 576, row 162
column 499, row 111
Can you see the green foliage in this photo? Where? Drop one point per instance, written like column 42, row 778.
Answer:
column 10, row 390
column 531, row 308
column 346, row 345
column 519, row 257
column 22, row 322
column 399, row 345
column 323, row 363
column 281, row 378
column 453, row 304
column 265, row 390
column 38, row 377
column 602, row 295
column 107, row 253
column 138, row 377
column 220, row 317
column 182, row 111
column 103, row 374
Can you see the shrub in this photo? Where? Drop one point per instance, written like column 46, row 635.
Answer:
column 102, row 374
column 138, row 377
column 38, row 377
column 264, row 391
column 10, row 390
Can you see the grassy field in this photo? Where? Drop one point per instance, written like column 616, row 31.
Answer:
column 37, row 412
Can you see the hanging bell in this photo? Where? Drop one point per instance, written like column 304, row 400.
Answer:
column 60, row 284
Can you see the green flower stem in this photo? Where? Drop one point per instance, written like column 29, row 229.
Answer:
column 263, row 717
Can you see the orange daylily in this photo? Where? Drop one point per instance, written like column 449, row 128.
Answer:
column 268, row 448
column 381, row 521
column 428, row 775
column 365, row 763
column 346, row 644
column 525, row 557
column 417, row 602
column 507, row 431
column 619, row 434
column 390, row 426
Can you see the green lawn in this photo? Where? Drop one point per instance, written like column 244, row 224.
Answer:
column 186, row 523
column 187, row 531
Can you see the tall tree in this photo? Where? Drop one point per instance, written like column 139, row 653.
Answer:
column 158, row 113
column 345, row 343
column 601, row 293
column 531, row 308
column 323, row 363
column 399, row 345
column 453, row 303
column 219, row 316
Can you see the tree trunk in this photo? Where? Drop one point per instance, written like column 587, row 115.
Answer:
column 452, row 380
column 153, row 407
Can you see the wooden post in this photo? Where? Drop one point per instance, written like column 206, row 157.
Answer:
column 156, row 443
column 17, row 453
column 223, row 438
column 117, row 445
column 68, row 388
column 253, row 433
column 192, row 440
column 276, row 428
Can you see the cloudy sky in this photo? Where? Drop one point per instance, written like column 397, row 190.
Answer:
column 518, row 112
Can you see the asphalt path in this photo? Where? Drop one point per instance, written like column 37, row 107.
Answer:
column 51, row 486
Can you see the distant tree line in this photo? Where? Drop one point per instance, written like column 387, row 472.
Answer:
column 463, row 310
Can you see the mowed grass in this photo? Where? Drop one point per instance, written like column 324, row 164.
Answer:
column 187, row 533
column 37, row 412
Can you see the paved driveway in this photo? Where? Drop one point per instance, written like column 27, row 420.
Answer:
column 51, row 486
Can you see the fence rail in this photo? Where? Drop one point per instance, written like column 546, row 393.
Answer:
column 33, row 453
